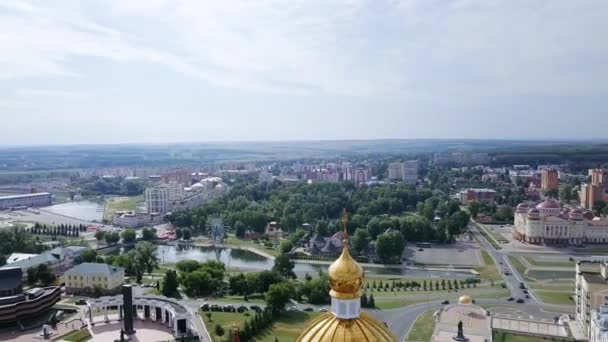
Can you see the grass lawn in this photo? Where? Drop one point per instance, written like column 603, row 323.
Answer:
column 285, row 329
column 227, row 320
column 504, row 337
column 554, row 297
column 534, row 262
column 231, row 240
column 120, row 204
column 78, row 336
column 288, row 327
column 521, row 269
column 423, row 328
column 399, row 299
column 488, row 237
column 489, row 270
column 257, row 299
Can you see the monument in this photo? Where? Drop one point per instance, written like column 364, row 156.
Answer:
column 127, row 307
column 460, row 335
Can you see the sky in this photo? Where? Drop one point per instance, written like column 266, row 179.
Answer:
column 154, row 71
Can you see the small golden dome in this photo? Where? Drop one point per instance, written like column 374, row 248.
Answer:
column 345, row 274
column 465, row 300
column 327, row 328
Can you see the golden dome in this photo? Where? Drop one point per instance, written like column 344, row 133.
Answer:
column 327, row 328
column 345, row 274
column 465, row 300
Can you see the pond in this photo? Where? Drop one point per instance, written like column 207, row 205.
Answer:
column 249, row 261
column 82, row 210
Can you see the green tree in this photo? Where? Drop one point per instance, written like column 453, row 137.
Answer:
column 389, row 246
column 179, row 233
column 278, row 296
column 170, row 283
column 148, row 234
column 473, row 207
column 360, row 240
column 112, row 238
column 219, row 331
column 88, row 255
column 100, row 235
column 284, row 266
column 128, row 236
column 186, row 234
column 239, row 229
column 552, row 193
column 145, row 259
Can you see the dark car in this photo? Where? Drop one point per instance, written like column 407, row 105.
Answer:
column 205, row 307
column 525, row 291
column 215, row 308
column 420, row 249
column 510, row 299
column 242, row 309
column 309, row 309
column 522, row 286
column 256, row 308
column 520, row 301
column 81, row 302
column 445, row 302
column 527, row 296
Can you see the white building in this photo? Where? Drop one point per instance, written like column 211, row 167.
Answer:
column 131, row 219
column 549, row 223
column 86, row 276
column 157, row 200
column 591, row 294
column 40, row 199
column 598, row 331
column 58, row 259
column 404, row 171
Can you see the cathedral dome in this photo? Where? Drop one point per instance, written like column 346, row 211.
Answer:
column 346, row 322
column 345, row 276
column 327, row 328
column 465, row 300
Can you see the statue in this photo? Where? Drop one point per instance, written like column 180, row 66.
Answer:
column 460, row 335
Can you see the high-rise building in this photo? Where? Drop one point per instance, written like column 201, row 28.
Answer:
column 591, row 291
column 549, row 180
column 595, row 190
column 404, row 171
column 157, row 199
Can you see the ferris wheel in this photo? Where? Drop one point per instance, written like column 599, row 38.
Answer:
column 216, row 227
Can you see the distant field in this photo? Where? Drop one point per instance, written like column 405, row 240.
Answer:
column 121, row 204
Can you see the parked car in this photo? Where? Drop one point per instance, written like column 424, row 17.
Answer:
column 525, row 291
column 522, row 286
column 229, row 308
column 323, row 310
column 242, row 308
column 309, row 309
column 420, row 250
column 215, row 308
column 520, row 301
column 527, row 296
column 81, row 302
column 510, row 299
column 445, row 302
column 255, row 308
column 205, row 307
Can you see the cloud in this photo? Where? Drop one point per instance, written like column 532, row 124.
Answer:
column 417, row 49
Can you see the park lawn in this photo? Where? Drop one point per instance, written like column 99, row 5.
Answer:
column 78, row 336
column 287, row 327
column 256, row 299
column 564, row 264
column 521, row 269
column 505, row 337
column 422, row 330
column 489, row 270
column 231, row 240
column 400, row 299
column 228, row 320
column 554, row 297
column 488, row 237
column 121, row 204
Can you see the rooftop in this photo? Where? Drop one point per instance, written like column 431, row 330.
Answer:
column 24, row 195
column 88, row 268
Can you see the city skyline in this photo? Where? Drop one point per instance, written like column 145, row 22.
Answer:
column 188, row 71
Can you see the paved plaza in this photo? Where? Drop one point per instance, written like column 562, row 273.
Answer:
column 146, row 331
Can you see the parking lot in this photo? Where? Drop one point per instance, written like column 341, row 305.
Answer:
column 457, row 254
